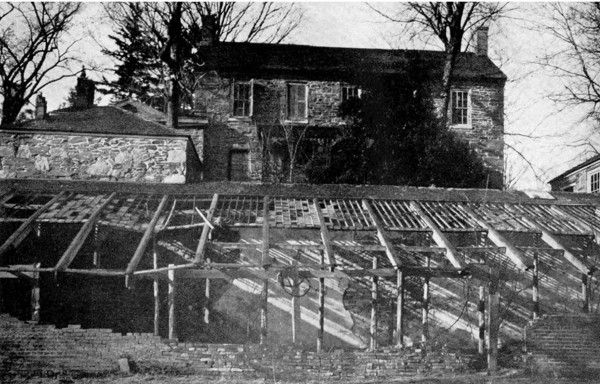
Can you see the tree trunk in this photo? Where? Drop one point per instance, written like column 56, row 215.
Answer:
column 10, row 110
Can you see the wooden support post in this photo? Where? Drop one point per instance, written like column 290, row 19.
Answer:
column 493, row 323
column 156, row 292
column 295, row 304
column 35, row 295
column 374, row 308
column 199, row 257
column 325, row 236
column 321, row 310
column 481, row 312
column 172, row 319
column 535, row 286
column 400, row 309
column 263, row 311
column 96, row 259
column 207, row 299
column 585, row 293
column 425, row 334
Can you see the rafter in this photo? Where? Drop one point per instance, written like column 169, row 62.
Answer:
column 324, row 235
column 25, row 228
column 141, row 248
column 206, row 230
column 382, row 236
column 439, row 238
column 81, row 236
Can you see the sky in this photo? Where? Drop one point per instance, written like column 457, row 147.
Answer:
column 541, row 132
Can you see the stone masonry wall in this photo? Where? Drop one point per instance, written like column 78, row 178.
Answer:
column 564, row 345
column 84, row 157
column 29, row 349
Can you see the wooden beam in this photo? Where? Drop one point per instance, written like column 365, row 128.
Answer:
column 206, row 230
column 25, row 228
column 171, row 298
column 535, row 286
column 481, row 315
column 321, row 330
column 552, row 241
column 515, row 255
column 585, row 293
column 325, row 236
column 425, row 309
column 148, row 234
column 265, row 261
column 400, row 308
column 35, row 296
column 156, row 287
column 493, row 321
column 382, row 236
column 207, row 297
column 374, row 293
column 81, row 236
column 264, row 300
column 438, row 237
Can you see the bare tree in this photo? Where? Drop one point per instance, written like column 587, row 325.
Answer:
column 173, row 31
column 450, row 22
column 575, row 53
column 31, row 49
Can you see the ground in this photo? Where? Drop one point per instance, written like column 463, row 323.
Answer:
column 505, row 377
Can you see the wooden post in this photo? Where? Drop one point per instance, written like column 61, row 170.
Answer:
column 35, row 295
column 400, row 309
column 171, row 277
column 481, row 310
column 207, row 298
column 425, row 334
column 585, row 293
column 295, row 304
column 321, row 309
column 374, row 308
column 96, row 240
column 493, row 300
column 263, row 311
column 535, row 288
column 156, row 296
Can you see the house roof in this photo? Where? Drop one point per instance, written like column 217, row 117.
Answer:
column 288, row 59
column 148, row 113
column 97, row 120
column 576, row 168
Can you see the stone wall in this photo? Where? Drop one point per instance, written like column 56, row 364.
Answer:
column 564, row 345
column 97, row 157
column 226, row 132
column 28, row 349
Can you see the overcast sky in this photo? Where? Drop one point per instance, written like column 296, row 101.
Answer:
column 515, row 46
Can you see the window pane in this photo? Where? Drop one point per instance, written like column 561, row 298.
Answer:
column 460, row 107
column 296, row 101
column 241, row 99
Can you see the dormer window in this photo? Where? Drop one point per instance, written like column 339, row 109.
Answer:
column 297, row 103
column 242, row 99
column 350, row 92
column 460, row 114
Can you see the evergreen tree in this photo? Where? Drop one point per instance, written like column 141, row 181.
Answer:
column 394, row 137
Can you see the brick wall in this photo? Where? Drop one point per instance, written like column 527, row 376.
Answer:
column 28, row 349
column 83, row 157
column 564, row 345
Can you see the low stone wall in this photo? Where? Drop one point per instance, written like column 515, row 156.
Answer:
column 99, row 157
column 564, row 345
column 28, row 349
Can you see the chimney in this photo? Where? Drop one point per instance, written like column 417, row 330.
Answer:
column 41, row 107
column 84, row 92
column 481, row 41
column 208, row 31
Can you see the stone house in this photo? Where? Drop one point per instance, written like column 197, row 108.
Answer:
column 252, row 91
column 123, row 143
column 583, row 178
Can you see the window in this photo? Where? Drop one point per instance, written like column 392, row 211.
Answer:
column 239, row 165
column 459, row 108
column 297, row 101
column 594, row 182
column 242, row 99
column 350, row 92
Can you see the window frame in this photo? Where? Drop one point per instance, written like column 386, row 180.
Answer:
column 355, row 89
column 289, row 116
column 595, row 174
column 451, row 109
column 250, row 100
